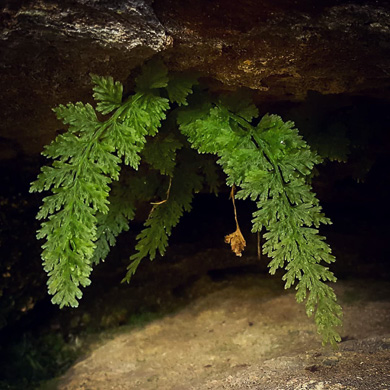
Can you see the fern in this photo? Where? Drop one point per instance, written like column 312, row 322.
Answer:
column 160, row 153
column 179, row 87
column 269, row 162
column 266, row 159
column 107, row 93
column 153, row 239
column 86, row 160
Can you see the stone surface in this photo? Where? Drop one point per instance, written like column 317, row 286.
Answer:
column 243, row 333
column 48, row 49
column 281, row 49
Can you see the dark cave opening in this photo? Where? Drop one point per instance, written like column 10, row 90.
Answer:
column 353, row 194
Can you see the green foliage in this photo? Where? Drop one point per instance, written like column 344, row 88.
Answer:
column 165, row 216
column 160, row 153
column 269, row 162
column 86, row 160
column 111, row 224
column 179, row 87
column 36, row 358
column 266, row 159
column 123, row 199
column 107, row 93
column 154, row 76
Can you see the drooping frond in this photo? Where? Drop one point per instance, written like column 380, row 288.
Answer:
column 86, row 159
column 270, row 162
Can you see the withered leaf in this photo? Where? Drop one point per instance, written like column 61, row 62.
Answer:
column 236, row 241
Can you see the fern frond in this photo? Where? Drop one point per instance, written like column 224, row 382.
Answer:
column 164, row 217
column 211, row 176
column 160, row 153
column 86, row 160
column 107, row 93
column 154, row 75
column 179, row 87
column 123, row 198
column 111, row 224
column 241, row 104
column 269, row 162
column 155, row 106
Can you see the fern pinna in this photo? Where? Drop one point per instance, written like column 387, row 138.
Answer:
column 266, row 159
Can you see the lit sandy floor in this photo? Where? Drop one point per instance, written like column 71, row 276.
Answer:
column 245, row 334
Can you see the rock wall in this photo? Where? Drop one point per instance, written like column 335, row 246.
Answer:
column 48, row 49
column 279, row 48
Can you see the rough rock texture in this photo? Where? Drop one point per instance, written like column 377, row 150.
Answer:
column 283, row 48
column 280, row 48
column 48, row 49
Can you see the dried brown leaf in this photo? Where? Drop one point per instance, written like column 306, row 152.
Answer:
column 236, row 241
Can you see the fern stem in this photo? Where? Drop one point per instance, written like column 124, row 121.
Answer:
column 268, row 155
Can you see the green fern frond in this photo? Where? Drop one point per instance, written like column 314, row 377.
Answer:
column 86, row 160
column 153, row 239
column 111, row 224
column 154, row 75
column 123, row 199
column 180, row 85
column 160, row 153
column 269, row 162
column 241, row 104
column 107, row 93
column 211, row 176
column 149, row 108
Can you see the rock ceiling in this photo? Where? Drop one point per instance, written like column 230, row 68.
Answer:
column 280, row 48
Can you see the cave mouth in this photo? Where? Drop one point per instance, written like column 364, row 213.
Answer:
column 217, row 320
column 353, row 194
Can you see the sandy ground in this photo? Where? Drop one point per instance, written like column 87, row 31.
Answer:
column 244, row 333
